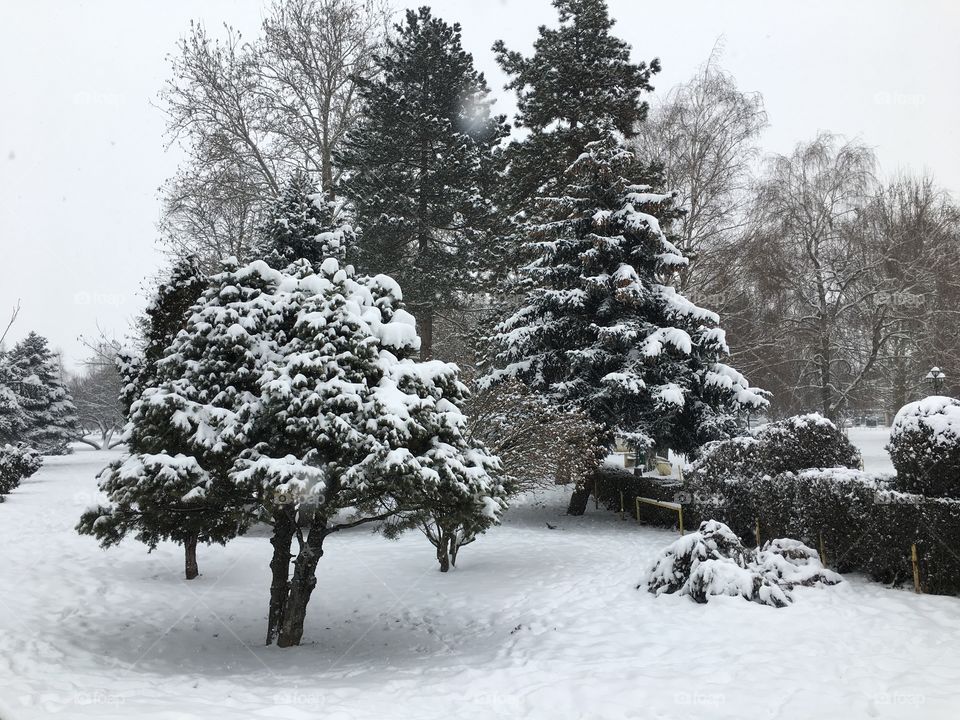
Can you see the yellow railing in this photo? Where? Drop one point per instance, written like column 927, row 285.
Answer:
column 676, row 507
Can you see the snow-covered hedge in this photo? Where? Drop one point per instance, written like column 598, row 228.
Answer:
column 713, row 561
column 925, row 447
column 16, row 463
column 863, row 522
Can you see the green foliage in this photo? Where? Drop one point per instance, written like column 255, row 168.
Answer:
column 419, row 167
column 302, row 225
column 578, row 82
column 925, row 447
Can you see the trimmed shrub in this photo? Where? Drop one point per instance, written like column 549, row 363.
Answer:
column 16, row 463
column 801, row 442
column 864, row 523
column 925, row 447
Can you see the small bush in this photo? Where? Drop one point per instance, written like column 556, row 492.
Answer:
column 925, row 447
column 801, row 442
column 713, row 561
column 16, row 463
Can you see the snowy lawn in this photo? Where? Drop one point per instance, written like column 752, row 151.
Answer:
column 536, row 622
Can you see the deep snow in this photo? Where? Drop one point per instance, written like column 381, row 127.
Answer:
column 536, row 622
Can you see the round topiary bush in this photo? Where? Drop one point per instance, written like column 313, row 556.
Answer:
column 802, row 442
column 925, row 447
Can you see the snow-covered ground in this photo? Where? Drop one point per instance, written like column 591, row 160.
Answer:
column 871, row 442
column 537, row 622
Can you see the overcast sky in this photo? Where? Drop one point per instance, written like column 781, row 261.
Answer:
column 81, row 138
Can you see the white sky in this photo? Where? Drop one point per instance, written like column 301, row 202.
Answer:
column 82, row 152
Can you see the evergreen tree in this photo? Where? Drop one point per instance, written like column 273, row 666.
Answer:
column 290, row 397
column 197, row 370
column 50, row 417
column 578, row 81
column 420, row 167
column 602, row 329
column 302, row 225
column 13, row 420
column 164, row 317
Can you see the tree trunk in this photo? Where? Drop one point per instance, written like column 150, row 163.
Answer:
column 426, row 332
column 443, row 554
column 579, row 499
column 301, row 586
column 454, row 547
column 191, row 570
column 282, row 539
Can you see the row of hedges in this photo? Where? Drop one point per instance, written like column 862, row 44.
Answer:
column 865, row 522
column 865, row 525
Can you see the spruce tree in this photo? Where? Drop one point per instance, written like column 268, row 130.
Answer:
column 164, row 317
column 602, row 329
column 302, row 224
column 13, row 420
column 578, row 81
column 50, row 417
column 420, row 167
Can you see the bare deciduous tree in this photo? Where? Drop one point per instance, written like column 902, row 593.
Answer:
column 704, row 133
column 96, row 395
column 249, row 114
column 819, row 321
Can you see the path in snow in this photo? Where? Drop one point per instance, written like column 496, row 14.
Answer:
column 535, row 623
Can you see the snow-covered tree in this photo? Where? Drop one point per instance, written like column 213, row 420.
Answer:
column 164, row 317
column 578, row 81
column 96, row 393
column 290, row 397
column 601, row 327
column 174, row 484
column 419, row 167
column 16, row 463
column 13, row 419
column 302, row 223
column 51, row 419
column 355, row 432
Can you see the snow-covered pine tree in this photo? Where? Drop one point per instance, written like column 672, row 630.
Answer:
column 304, row 224
column 13, row 420
column 289, row 397
column 163, row 319
column 355, row 431
column 578, row 81
column 51, row 419
column 602, row 329
column 420, row 167
column 174, row 483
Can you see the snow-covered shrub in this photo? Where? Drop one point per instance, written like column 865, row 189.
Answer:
column 16, row 463
column 925, row 447
column 713, row 561
column 863, row 523
column 736, row 479
column 801, row 442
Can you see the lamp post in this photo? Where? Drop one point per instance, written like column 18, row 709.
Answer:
column 936, row 378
